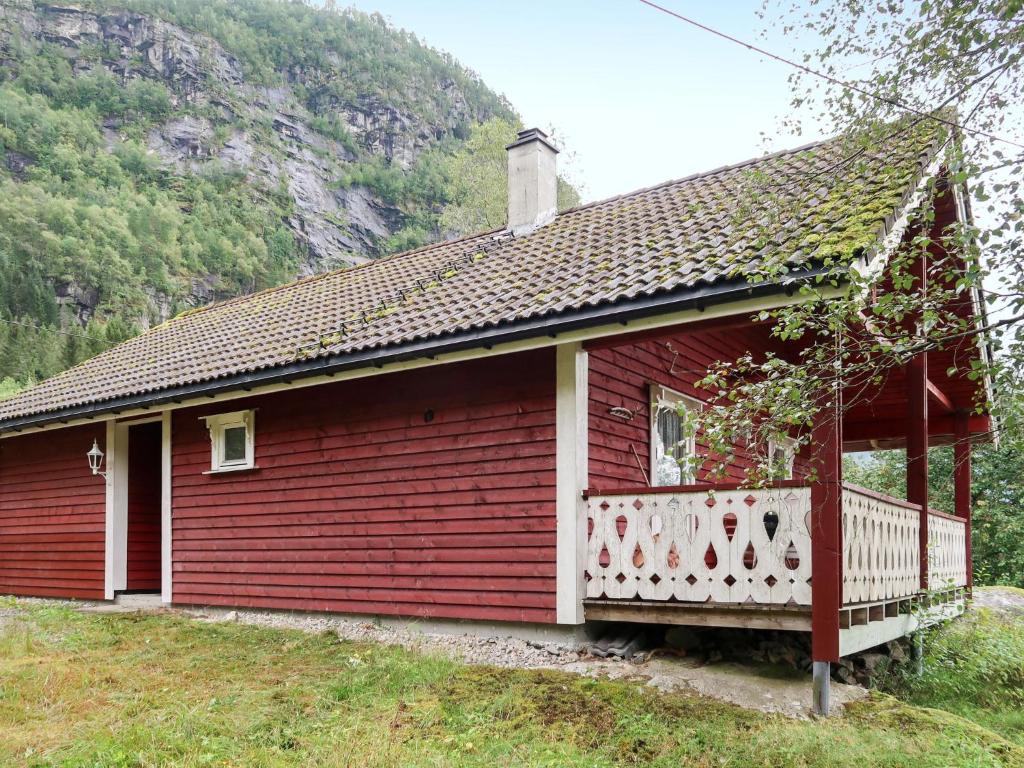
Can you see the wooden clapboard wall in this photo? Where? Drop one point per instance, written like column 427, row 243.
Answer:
column 421, row 493
column 52, row 513
column 621, row 377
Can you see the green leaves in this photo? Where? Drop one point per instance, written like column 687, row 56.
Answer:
column 948, row 79
column 108, row 226
column 94, row 206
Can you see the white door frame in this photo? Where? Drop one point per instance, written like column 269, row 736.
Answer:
column 116, row 523
column 165, row 508
column 571, row 471
column 113, row 461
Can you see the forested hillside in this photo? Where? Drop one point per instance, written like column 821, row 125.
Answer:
column 159, row 154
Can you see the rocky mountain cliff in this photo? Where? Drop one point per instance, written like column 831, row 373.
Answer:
column 221, row 112
column 158, row 154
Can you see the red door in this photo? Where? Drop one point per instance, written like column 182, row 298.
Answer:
column 144, row 508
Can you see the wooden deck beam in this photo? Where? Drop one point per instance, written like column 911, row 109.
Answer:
column 896, row 429
column 740, row 616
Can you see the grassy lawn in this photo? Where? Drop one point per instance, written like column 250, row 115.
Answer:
column 149, row 690
column 973, row 667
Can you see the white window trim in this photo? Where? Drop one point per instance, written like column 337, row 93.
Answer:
column 787, row 444
column 217, row 424
column 661, row 397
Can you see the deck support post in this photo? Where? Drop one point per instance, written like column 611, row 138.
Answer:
column 826, row 542
column 821, row 673
column 962, row 485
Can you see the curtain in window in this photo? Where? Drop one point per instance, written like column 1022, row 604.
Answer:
column 669, row 447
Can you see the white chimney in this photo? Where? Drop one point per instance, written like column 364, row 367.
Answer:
column 532, row 181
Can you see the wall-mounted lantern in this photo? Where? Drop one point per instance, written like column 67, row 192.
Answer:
column 96, row 460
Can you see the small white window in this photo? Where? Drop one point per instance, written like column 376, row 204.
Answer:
column 231, row 441
column 781, row 454
column 673, row 445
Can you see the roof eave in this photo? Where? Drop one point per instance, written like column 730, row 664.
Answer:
column 483, row 338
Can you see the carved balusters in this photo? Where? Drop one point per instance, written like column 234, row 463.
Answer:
column 728, row 546
column 947, row 552
column 880, row 548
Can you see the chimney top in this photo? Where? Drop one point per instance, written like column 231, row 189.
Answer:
column 533, row 134
column 532, row 181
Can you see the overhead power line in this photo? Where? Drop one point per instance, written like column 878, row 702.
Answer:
column 45, row 329
column 829, row 78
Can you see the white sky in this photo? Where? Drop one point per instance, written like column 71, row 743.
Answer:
column 636, row 96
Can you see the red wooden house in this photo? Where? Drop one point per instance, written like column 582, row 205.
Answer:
column 483, row 430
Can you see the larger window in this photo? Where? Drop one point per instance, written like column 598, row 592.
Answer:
column 232, row 441
column 673, row 445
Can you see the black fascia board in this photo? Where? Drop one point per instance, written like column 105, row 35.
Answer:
column 546, row 325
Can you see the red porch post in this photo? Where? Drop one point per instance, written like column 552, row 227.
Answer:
column 826, row 546
column 962, row 484
column 917, row 430
column 917, row 450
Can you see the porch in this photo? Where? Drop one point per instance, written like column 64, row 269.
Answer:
column 722, row 555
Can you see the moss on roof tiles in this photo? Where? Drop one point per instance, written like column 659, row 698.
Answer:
column 672, row 236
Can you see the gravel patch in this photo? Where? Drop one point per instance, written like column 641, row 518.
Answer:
column 510, row 652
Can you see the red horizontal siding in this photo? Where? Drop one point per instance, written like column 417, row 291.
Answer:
column 360, row 504
column 52, row 513
column 621, row 377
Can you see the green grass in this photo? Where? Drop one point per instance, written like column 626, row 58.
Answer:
column 148, row 690
column 973, row 667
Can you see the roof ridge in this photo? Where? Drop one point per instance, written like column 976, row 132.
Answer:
column 700, row 175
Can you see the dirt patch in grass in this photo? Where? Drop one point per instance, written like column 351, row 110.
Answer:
column 556, row 701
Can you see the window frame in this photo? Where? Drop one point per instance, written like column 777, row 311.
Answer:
column 787, row 444
column 662, row 396
column 217, row 425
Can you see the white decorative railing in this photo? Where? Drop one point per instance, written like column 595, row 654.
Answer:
column 725, row 546
column 947, row 551
column 881, row 547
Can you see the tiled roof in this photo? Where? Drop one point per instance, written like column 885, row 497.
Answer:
column 672, row 238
